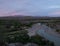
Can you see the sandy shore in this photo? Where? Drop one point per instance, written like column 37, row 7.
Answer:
column 33, row 29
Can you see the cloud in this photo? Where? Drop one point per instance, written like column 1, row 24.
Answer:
column 54, row 13
column 18, row 13
column 27, row 7
column 54, row 6
column 19, row 7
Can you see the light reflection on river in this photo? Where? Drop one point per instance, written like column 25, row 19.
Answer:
column 52, row 38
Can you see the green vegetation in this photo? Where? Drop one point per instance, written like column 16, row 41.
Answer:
column 18, row 37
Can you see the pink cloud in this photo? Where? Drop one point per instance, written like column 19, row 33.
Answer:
column 55, row 13
column 18, row 13
column 12, row 13
column 4, row 12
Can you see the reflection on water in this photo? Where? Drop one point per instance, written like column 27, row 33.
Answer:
column 55, row 39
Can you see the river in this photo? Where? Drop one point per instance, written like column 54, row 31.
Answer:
column 48, row 36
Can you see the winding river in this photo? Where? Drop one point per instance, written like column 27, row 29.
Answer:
column 48, row 36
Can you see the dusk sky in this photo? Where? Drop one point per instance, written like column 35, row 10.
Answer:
column 30, row 7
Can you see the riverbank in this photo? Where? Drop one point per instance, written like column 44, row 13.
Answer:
column 36, row 27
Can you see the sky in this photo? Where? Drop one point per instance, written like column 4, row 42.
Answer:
column 30, row 8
